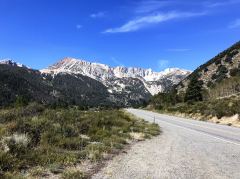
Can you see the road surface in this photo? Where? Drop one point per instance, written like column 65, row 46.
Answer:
column 186, row 149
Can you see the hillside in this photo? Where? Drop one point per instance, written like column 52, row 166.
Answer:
column 19, row 82
column 22, row 82
column 215, row 74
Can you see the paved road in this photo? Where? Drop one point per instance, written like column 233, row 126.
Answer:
column 186, row 149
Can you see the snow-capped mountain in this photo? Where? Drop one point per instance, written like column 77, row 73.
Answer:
column 154, row 82
column 11, row 63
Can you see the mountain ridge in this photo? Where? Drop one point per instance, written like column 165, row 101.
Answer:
column 104, row 73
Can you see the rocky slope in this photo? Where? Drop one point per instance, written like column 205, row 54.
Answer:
column 218, row 75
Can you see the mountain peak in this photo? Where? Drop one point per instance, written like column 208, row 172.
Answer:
column 174, row 70
column 11, row 63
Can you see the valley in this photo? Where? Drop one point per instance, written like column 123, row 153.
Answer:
column 131, row 89
column 69, row 121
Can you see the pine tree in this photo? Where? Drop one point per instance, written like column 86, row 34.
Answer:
column 194, row 90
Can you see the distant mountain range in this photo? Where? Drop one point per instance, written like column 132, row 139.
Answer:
column 80, row 82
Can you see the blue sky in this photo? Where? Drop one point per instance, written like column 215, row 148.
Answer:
column 151, row 34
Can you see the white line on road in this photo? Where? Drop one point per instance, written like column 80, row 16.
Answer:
column 204, row 133
column 180, row 121
column 219, row 138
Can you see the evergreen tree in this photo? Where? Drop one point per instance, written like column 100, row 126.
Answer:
column 194, row 90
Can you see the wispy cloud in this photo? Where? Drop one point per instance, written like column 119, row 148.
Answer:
column 98, row 15
column 151, row 5
column 178, row 49
column 222, row 3
column 78, row 26
column 162, row 64
column 117, row 62
column 235, row 24
column 145, row 21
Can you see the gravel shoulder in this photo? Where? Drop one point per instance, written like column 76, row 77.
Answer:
column 179, row 152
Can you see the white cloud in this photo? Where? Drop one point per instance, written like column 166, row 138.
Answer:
column 78, row 26
column 144, row 21
column 235, row 24
column 162, row 64
column 151, row 5
column 98, row 15
column 178, row 49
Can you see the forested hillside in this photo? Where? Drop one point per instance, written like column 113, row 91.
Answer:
column 19, row 84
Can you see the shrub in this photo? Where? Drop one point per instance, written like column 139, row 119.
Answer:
column 228, row 59
column 76, row 143
column 37, row 172
column 218, row 61
column 220, row 74
column 21, row 101
column 210, row 84
column 214, row 76
column 73, row 175
column 95, row 151
column 222, row 70
column 17, row 144
column 7, row 162
column 9, row 175
column 235, row 72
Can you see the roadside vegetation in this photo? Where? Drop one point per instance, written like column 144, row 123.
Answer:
column 36, row 141
column 219, row 102
column 216, row 108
